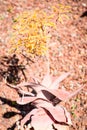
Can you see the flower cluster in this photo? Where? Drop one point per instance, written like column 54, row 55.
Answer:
column 29, row 32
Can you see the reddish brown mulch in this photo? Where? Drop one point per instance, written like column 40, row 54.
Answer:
column 68, row 52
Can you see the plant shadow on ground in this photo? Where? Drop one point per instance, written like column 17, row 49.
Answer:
column 10, row 69
column 23, row 110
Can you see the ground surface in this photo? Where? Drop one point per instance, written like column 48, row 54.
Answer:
column 68, row 52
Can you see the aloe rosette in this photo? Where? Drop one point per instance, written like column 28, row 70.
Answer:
column 46, row 98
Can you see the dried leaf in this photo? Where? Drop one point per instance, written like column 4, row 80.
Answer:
column 41, row 120
column 47, row 80
column 25, row 100
column 55, row 84
column 75, row 92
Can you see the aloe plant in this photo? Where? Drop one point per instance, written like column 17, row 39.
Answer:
column 46, row 99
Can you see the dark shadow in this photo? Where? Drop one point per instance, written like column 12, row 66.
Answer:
column 12, row 127
column 52, row 98
column 84, row 14
column 23, row 110
column 11, row 68
column 10, row 114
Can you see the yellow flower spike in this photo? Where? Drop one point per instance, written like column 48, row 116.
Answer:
column 29, row 31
